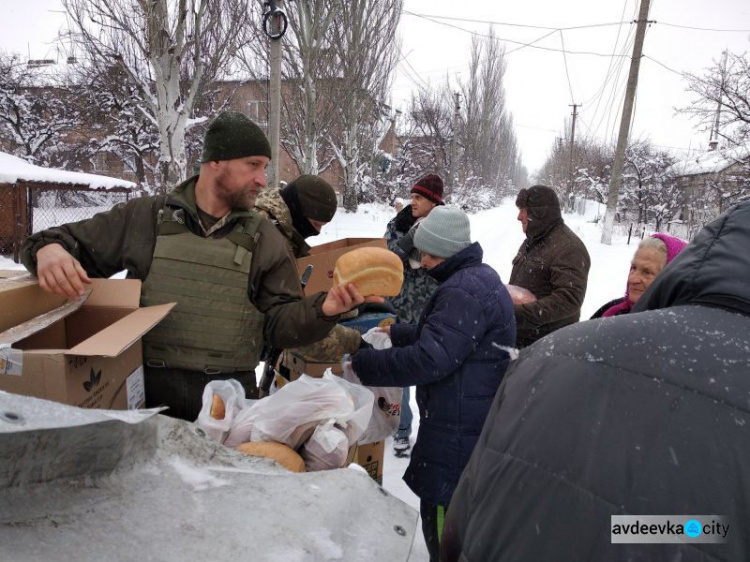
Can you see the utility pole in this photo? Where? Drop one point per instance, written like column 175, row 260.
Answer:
column 454, row 145
column 275, row 24
column 627, row 114
column 715, row 129
column 575, row 107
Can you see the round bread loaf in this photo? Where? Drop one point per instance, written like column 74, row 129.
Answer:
column 282, row 454
column 519, row 295
column 374, row 271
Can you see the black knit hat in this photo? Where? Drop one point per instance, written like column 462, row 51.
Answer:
column 317, row 198
column 233, row 135
column 431, row 187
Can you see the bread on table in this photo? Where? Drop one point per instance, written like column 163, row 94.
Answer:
column 282, row 454
column 374, row 271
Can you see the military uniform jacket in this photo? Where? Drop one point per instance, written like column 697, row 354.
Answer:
column 341, row 340
column 124, row 239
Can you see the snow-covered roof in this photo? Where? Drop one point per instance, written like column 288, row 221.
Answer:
column 13, row 169
column 710, row 162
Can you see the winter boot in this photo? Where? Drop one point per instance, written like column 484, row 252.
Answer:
column 401, row 447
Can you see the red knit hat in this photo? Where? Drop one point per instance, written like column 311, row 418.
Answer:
column 431, row 187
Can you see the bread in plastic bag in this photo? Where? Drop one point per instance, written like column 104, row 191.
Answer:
column 291, row 414
column 232, row 394
column 327, row 448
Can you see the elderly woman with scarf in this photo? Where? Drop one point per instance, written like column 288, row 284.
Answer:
column 653, row 255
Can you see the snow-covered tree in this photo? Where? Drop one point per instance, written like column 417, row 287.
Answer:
column 489, row 153
column 310, row 80
column 119, row 126
column 723, row 88
column 366, row 48
column 169, row 50
column 37, row 111
column 647, row 191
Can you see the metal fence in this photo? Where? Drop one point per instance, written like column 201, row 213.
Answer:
column 26, row 208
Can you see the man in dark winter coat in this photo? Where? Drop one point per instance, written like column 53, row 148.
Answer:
column 456, row 355
column 203, row 247
column 552, row 263
column 641, row 414
column 418, row 286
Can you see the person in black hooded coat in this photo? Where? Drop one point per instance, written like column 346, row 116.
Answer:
column 552, row 263
column 642, row 414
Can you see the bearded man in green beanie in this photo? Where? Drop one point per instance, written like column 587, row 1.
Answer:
column 204, row 247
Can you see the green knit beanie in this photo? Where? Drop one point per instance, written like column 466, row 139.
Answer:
column 317, row 199
column 233, row 135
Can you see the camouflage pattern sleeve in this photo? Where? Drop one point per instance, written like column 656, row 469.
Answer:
column 332, row 348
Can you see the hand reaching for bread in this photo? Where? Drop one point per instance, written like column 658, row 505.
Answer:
column 342, row 298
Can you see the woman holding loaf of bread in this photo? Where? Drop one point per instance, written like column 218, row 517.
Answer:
column 456, row 356
column 426, row 194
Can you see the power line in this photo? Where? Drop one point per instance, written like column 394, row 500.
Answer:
column 664, row 65
column 508, row 24
column 567, row 74
column 703, row 28
column 575, row 27
column 592, row 53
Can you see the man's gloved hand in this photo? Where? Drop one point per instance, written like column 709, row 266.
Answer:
column 404, row 219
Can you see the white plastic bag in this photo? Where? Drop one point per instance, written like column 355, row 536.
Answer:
column 232, row 394
column 386, row 408
column 326, row 449
column 291, row 414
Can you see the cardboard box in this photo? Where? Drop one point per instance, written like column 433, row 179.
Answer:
column 296, row 365
column 370, row 457
column 368, row 320
column 84, row 353
column 323, row 259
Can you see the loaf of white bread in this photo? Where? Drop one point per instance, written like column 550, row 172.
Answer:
column 374, row 271
column 281, row 453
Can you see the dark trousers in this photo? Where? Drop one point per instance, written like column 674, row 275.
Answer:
column 432, row 526
column 182, row 390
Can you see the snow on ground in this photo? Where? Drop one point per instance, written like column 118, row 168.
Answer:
column 499, row 233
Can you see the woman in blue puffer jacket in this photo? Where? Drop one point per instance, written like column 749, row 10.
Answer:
column 456, row 356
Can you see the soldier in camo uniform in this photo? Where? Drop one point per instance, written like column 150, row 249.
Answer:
column 426, row 194
column 299, row 210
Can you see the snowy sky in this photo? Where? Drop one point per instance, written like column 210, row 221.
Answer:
column 538, row 87
column 541, row 82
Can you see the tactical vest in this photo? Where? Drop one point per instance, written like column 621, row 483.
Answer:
column 214, row 328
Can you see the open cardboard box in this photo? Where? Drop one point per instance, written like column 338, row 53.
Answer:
column 323, row 259
column 84, row 353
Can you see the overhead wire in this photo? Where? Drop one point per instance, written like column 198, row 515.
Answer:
column 522, row 43
column 599, row 94
column 614, row 69
column 567, row 73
